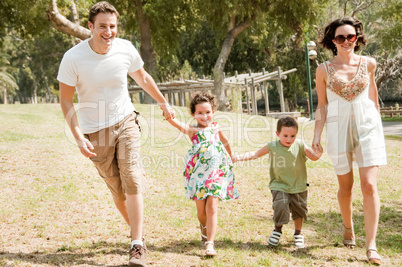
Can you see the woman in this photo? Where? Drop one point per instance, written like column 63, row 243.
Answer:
column 348, row 106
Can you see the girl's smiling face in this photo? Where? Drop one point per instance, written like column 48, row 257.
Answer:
column 203, row 114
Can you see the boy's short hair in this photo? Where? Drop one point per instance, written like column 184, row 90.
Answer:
column 286, row 122
column 102, row 7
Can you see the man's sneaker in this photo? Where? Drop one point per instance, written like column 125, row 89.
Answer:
column 138, row 256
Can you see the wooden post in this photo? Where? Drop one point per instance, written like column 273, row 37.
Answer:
column 265, row 90
column 280, row 89
column 253, row 97
column 181, row 98
column 247, row 97
column 170, row 97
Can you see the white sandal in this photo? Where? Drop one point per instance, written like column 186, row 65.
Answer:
column 376, row 260
column 203, row 237
column 299, row 241
column 210, row 251
column 274, row 238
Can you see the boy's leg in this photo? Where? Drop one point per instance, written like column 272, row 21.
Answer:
column 280, row 205
column 298, row 225
column 298, row 207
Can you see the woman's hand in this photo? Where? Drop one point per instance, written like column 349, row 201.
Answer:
column 316, row 145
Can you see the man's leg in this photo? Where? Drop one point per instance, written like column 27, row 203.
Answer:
column 135, row 211
column 122, row 207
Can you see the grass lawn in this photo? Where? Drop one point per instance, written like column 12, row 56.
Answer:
column 56, row 210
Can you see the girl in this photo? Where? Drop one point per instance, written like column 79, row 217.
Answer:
column 348, row 102
column 208, row 174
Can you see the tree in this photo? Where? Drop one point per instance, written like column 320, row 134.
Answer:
column 7, row 81
column 230, row 18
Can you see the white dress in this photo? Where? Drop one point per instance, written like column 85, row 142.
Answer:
column 354, row 128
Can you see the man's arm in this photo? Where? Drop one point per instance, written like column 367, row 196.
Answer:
column 146, row 82
column 67, row 106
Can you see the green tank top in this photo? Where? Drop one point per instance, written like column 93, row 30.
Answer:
column 288, row 167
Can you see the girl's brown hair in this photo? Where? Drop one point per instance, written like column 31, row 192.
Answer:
column 202, row 97
column 329, row 33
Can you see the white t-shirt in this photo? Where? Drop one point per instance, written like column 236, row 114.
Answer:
column 100, row 82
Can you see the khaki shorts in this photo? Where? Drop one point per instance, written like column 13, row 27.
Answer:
column 284, row 204
column 118, row 158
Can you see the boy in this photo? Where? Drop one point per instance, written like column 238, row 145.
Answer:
column 288, row 178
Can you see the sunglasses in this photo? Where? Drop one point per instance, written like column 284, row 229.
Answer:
column 340, row 39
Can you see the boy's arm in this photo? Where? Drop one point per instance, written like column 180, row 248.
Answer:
column 312, row 154
column 253, row 155
column 182, row 127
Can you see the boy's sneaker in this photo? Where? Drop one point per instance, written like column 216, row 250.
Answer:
column 299, row 241
column 274, row 238
column 138, row 256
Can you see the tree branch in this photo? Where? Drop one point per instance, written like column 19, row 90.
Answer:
column 64, row 25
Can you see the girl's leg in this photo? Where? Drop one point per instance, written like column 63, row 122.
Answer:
column 212, row 218
column 345, row 202
column 371, row 203
column 201, row 211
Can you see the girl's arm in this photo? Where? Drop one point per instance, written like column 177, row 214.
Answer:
column 253, row 155
column 373, row 91
column 226, row 144
column 312, row 154
column 321, row 112
column 182, row 127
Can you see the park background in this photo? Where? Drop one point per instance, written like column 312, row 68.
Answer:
column 56, row 211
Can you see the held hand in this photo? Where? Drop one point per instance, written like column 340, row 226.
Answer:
column 85, row 147
column 167, row 111
column 316, row 145
column 234, row 158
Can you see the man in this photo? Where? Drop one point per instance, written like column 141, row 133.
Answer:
column 108, row 132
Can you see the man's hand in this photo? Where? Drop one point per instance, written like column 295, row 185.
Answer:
column 168, row 111
column 85, row 147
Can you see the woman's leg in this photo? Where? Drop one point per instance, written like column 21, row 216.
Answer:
column 345, row 202
column 371, row 203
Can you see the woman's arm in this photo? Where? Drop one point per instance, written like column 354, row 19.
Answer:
column 373, row 91
column 321, row 112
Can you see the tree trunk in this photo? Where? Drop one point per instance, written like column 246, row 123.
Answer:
column 147, row 51
column 221, row 61
column 64, row 25
column 4, row 95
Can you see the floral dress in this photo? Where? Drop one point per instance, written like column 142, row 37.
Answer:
column 209, row 168
column 354, row 128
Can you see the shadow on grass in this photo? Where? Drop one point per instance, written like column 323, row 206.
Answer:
column 389, row 229
column 68, row 256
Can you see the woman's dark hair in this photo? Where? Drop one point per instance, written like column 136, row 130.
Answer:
column 286, row 122
column 329, row 33
column 101, row 7
column 202, row 97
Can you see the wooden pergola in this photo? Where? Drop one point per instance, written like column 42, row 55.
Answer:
column 175, row 91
